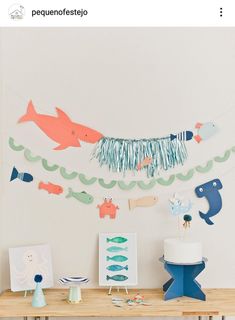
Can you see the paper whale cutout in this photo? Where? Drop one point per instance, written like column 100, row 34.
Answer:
column 210, row 190
column 61, row 129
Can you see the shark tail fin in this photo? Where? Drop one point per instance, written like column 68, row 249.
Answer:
column 14, row 174
column 206, row 218
column 70, row 194
column 30, row 114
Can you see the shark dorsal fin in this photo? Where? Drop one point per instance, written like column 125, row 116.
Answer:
column 62, row 115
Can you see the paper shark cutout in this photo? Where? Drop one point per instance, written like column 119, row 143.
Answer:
column 61, row 129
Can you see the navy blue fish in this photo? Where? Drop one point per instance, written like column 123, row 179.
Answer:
column 26, row 177
column 182, row 136
column 210, row 190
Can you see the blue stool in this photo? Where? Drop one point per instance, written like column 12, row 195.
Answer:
column 183, row 281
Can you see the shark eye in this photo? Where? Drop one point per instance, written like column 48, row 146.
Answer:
column 214, row 184
column 201, row 189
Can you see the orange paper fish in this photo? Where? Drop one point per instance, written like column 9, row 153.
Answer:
column 50, row 187
column 144, row 163
column 61, row 129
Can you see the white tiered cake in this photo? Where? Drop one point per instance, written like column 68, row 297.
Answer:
column 182, row 251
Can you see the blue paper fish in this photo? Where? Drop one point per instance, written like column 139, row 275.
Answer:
column 210, row 190
column 116, row 249
column 117, row 240
column 116, row 267
column 117, row 258
column 205, row 131
column 23, row 176
column 182, row 136
column 118, row 277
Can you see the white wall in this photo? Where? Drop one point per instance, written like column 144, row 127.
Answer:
column 125, row 83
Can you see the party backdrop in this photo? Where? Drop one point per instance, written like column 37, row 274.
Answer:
column 128, row 84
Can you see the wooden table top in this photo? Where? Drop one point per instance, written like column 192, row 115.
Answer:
column 97, row 303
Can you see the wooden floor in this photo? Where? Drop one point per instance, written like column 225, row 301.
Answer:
column 96, row 303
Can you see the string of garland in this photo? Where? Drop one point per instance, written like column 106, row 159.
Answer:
column 144, row 185
column 121, row 155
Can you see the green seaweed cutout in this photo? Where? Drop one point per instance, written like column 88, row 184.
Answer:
column 233, row 149
column 66, row 175
column 206, row 168
column 167, row 182
column 86, row 181
column 126, row 186
column 29, row 157
column 109, row 185
column 48, row 167
column 13, row 146
column 185, row 177
column 146, row 186
column 224, row 157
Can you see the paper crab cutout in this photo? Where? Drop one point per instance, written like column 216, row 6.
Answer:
column 107, row 208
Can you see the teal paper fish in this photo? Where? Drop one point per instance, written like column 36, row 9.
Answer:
column 116, row 249
column 117, row 277
column 117, row 258
column 117, row 240
column 80, row 196
column 116, row 267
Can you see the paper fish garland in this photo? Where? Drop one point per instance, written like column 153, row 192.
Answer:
column 61, row 129
column 147, row 201
column 210, row 191
column 205, row 131
column 50, row 187
column 107, row 208
column 118, row 277
column 117, row 267
column 144, row 163
column 182, row 136
column 117, row 240
column 80, row 196
column 23, row 176
column 178, row 205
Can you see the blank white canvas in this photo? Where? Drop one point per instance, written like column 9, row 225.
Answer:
column 131, row 254
column 26, row 262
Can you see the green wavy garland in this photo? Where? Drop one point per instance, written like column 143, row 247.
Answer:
column 144, row 185
column 66, row 175
column 86, row 181
column 48, row 167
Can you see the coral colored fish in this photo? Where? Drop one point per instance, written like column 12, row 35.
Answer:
column 50, row 187
column 117, row 277
column 61, row 129
column 23, row 176
column 205, row 131
column 116, row 240
column 117, row 258
column 117, row 249
column 80, row 196
column 116, row 267
column 144, row 163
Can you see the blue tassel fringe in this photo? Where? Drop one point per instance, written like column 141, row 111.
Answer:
column 121, row 155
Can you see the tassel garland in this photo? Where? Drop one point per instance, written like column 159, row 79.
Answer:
column 121, row 155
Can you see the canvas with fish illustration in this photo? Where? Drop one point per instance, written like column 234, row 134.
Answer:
column 117, row 259
column 26, row 262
